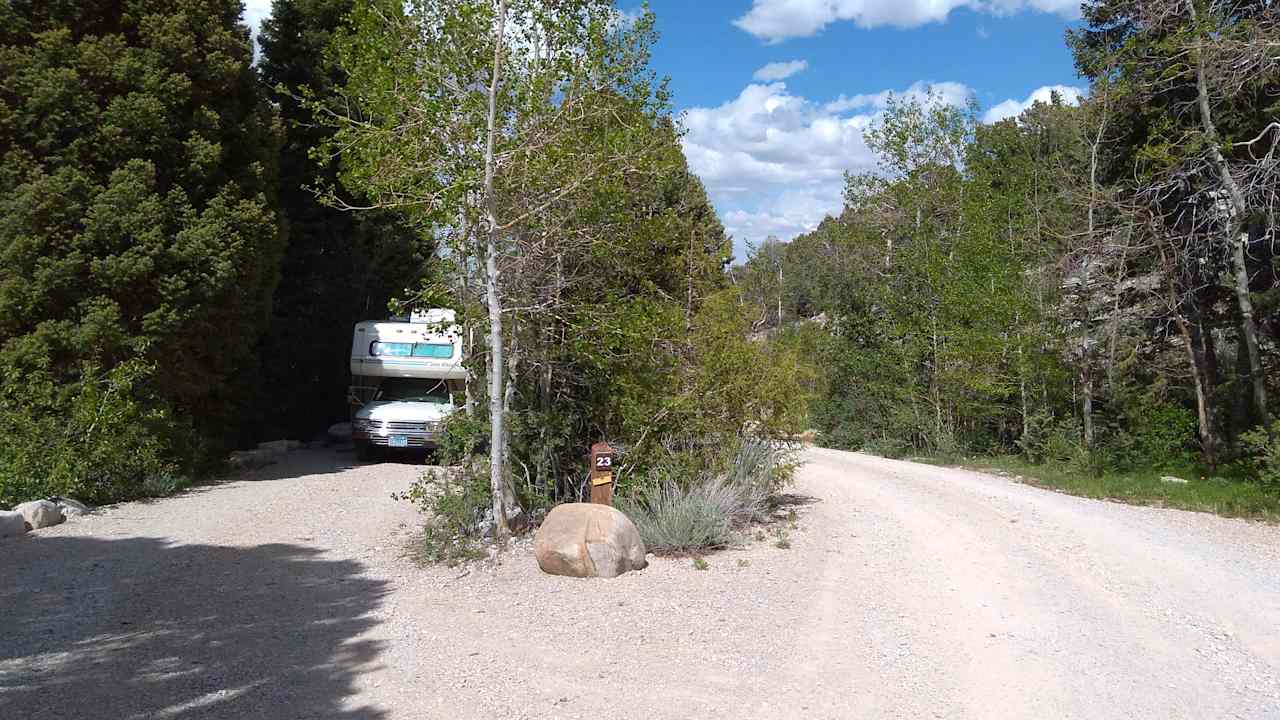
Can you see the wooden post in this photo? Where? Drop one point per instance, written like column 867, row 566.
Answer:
column 602, row 474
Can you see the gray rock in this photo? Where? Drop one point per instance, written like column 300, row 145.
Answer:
column 340, row 432
column 12, row 523
column 279, row 447
column 70, row 508
column 243, row 459
column 1173, row 479
column 586, row 540
column 40, row 514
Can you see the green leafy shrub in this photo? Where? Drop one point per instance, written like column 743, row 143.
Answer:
column 462, row 436
column 1050, row 439
column 884, row 447
column 1154, row 433
column 99, row 440
column 1264, row 452
column 455, row 502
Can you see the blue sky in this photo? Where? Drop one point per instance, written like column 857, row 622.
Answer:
column 775, row 94
column 772, row 147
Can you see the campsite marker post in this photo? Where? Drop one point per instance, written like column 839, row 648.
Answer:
column 602, row 457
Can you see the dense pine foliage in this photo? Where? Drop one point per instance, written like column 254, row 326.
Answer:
column 188, row 238
column 139, row 238
column 339, row 266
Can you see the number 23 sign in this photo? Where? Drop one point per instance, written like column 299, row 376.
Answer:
column 601, row 464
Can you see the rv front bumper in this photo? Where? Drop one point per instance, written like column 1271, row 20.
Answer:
column 396, row 434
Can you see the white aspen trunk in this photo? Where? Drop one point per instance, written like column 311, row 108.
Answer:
column 1086, row 359
column 469, row 405
column 464, row 272
column 688, row 298
column 1208, row 440
column 779, row 293
column 1086, row 354
column 1237, row 234
column 509, row 499
column 497, row 368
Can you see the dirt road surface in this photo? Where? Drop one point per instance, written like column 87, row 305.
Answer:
column 907, row 591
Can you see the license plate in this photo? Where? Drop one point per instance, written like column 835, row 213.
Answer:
column 398, row 441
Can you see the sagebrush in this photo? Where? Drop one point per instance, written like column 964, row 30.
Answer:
column 704, row 512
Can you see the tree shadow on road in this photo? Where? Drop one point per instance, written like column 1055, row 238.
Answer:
column 140, row 628
column 787, row 502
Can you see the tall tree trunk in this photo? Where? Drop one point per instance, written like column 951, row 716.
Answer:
column 688, row 297
column 1086, row 347
column 464, row 281
column 779, row 292
column 1086, row 405
column 1204, row 416
column 1237, row 232
column 1208, row 437
column 509, row 500
column 497, row 368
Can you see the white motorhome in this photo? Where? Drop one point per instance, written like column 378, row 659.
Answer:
column 404, row 375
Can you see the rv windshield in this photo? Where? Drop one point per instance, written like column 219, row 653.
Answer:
column 414, row 390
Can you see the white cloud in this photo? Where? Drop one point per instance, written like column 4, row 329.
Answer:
column 780, row 70
column 774, row 162
column 627, row 18
column 777, row 20
column 1013, row 108
column 951, row 93
column 255, row 11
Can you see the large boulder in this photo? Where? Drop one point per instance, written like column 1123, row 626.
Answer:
column 69, row 507
column 586, row 540
column 40, row 513
column 12, row 523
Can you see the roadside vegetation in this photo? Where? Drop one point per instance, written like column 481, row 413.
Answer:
column 714, row 509
column 185, row 253
column 1092, row 289
column 1221, row 495
column 188, row 236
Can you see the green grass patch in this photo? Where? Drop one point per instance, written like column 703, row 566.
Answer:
column 1221, row 496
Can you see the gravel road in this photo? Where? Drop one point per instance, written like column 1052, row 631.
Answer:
column 908, row 591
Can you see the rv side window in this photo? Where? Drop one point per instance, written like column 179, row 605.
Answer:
column 390, row 349
column 432, row 350
column 404, row 349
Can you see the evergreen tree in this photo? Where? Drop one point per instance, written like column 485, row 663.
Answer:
column 139, row 239
column 339, row 267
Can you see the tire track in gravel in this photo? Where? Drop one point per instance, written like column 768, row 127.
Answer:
column 975, row 597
